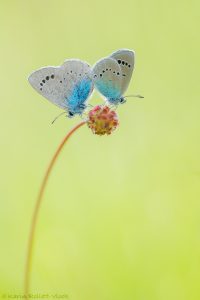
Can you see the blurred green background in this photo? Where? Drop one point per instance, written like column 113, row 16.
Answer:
column 121, row 214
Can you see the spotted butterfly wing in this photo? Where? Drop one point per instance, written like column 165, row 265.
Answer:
column 126, row 59
column 107, row 78
column 67, row 86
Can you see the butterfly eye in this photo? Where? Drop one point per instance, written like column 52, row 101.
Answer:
column 70, row 114
column 122, row 100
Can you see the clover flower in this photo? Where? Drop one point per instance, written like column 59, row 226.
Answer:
column 102, row 120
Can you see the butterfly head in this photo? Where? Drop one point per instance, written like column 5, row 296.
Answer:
column 122, row 100
column 70, row 114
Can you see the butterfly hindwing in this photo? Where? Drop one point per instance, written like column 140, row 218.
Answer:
column 67, row 86
column 126, row 59
column 107, row 77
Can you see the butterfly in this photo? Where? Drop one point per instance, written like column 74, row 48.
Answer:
column 67, row 86
column 112, row 75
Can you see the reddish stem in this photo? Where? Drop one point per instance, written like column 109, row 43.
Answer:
column 37, row 208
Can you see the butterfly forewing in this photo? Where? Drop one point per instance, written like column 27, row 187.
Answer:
column 125, row 59
column 107, row 77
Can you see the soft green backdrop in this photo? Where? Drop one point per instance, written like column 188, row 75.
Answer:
column 121, row 214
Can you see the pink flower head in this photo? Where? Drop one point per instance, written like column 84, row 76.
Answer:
column 102, row 120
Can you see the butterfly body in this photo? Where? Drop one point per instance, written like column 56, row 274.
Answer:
column 112, row 75
column 67, row 86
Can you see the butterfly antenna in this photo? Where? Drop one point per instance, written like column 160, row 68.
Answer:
column 64, row 112
column 136, row 96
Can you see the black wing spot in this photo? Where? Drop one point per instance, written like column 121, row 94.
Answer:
column 43, row 81
column 123, row 62
column 109, row 69
column 126, row 64
column 95, row 76
column 129, row 66
column 113, row 72
column 123, row 74
column 100, row 75
column 70, row 71
column 41, row 84
column 106, row 69
column 47, row 78
column 52, row 76
column 40, row 89
column 103, row 71
column 60, row 81
column 119, row 61
column 118, row 73
column 79, row 74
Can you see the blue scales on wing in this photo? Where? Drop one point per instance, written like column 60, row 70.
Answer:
column 107, row 88
column 80, row 93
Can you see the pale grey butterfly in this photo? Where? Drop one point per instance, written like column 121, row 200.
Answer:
column 112, row 75
column 67, row 86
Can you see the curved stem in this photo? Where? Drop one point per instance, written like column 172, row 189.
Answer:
column 37, row 208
